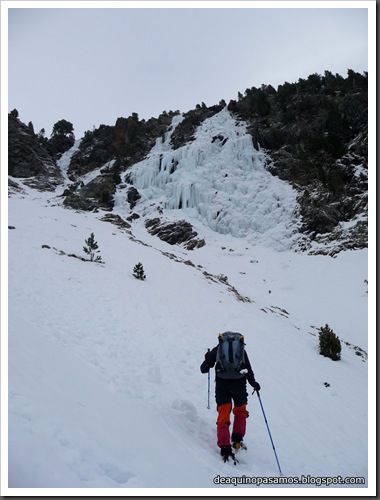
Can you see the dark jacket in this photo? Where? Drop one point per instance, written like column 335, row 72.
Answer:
column 210, row 360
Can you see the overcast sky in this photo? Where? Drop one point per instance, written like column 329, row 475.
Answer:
column 92, row 65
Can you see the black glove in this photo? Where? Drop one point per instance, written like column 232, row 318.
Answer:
column 256, row 385
column 205, row 366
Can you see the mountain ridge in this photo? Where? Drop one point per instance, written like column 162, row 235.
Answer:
column 313, row 134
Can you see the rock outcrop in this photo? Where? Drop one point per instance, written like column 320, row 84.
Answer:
column 175, row 233
column 97, row 194
column 28, row 159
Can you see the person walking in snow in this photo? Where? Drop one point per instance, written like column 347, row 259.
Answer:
column 232, row 371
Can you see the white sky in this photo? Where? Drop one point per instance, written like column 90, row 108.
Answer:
column 92, row 65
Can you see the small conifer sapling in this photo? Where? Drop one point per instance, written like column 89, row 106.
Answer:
column 138, row 271
column 91, row 249
column 329, row 343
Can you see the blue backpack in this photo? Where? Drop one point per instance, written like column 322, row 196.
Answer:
column 230, row 355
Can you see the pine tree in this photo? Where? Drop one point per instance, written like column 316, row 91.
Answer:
column 138, row 271
column 63, row 128
column 329, row 343
column 92, row 248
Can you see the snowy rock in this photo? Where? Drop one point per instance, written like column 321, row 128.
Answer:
column 175, row 233
column 133, row 196
column 96, row 194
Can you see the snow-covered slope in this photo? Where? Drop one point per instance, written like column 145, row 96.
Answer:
column 105, row 389
column 220, row 179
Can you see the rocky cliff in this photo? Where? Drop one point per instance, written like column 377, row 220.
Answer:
column 28, row 158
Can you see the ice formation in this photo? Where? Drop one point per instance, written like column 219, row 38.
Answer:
column 221, row 179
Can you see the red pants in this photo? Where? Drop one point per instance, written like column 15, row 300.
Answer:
column 223, row 422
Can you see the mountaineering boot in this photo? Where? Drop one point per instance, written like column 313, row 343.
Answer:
column 239, row 445
column 236, row 445
column 237, row 442
column 226, row 452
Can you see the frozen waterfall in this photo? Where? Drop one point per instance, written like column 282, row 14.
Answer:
column 222, row 178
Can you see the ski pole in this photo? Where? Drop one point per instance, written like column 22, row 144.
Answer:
column 208, row 385
column 208, row 391
column 265, row 418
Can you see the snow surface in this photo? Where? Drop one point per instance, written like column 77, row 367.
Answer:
column 105, row 391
